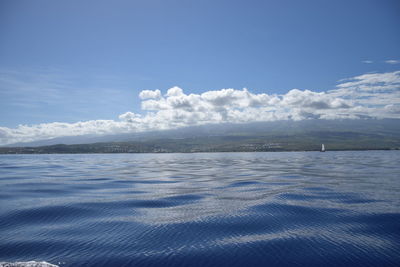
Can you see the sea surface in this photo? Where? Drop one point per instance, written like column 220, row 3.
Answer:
column 204, row 209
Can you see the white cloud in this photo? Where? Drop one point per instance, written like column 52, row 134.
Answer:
column 392, row 61
column 373, row 81
column 367, row 61
column 146, row 94
column 174, row 91
column 308, row 99
column 368, row 95
column 25, row 133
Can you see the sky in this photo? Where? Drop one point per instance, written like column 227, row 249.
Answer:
column 102, row 67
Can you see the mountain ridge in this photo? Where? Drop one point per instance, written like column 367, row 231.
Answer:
column 268, row 136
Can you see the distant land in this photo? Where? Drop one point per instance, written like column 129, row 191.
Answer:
column 306, row 135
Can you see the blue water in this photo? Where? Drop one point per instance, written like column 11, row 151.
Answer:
column 218, row 209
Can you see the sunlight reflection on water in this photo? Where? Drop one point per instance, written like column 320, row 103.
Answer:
column 227, row 209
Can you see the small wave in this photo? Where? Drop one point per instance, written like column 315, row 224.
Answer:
column 261, row 209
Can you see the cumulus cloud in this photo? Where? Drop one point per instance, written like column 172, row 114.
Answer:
column 146, row 94
column 374, row 95
column 313, row 100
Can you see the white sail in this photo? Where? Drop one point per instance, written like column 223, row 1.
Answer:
column 323, row 148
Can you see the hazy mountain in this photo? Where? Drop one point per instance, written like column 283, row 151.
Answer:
column 306, row 134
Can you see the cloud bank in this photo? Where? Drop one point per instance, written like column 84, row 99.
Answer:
column 373, row 95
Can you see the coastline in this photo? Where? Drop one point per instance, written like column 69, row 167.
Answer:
column 194, row 152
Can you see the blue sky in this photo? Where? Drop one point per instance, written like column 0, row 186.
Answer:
column 69, row 61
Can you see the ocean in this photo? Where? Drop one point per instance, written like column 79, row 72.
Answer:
column 202, row 209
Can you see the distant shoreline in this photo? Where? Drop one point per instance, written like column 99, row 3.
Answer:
column 346, row 135
column 192, row 152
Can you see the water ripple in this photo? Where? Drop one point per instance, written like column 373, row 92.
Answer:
column 221, row 209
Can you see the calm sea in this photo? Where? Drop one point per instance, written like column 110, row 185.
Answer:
column 206, row 209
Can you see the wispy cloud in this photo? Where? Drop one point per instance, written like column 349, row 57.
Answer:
column 367, row 61
column 21, row 88
column 393, row 61
column 374, row 95
column 38, row 91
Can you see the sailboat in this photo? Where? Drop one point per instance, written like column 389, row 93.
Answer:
column 323, row 148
